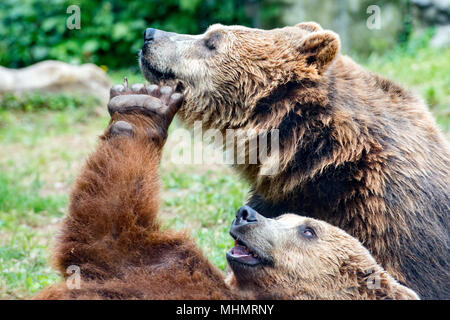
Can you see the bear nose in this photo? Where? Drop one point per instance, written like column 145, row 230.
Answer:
column 149, row 34
column 245, row 215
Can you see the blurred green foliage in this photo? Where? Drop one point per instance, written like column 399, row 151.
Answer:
column 111, row 31
column 422, row 69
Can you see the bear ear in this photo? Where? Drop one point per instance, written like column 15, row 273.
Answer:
column 309, row 26
column 320, row 49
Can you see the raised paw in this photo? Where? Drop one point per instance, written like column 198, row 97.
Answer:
column 152, row 100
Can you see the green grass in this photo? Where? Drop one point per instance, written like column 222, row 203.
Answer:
column 117, row 76
column 35, row 101
column 41, row 154
column 425, row 71
column 207, row 206
column 24, row 218
column 42, row 151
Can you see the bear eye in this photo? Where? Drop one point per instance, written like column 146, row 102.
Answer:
column 307, row 232
column 211, row 42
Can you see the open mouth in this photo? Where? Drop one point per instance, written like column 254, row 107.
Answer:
column 242, row 254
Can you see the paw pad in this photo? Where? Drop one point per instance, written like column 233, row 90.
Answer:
column 121, row 128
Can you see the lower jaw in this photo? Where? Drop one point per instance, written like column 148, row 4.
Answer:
column 155, row 76
column 232, row 261
column 245, row 275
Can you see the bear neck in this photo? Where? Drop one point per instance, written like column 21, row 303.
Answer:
column 319, row 132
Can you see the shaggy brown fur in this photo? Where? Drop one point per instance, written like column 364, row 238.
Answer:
column 112, row 234
column 356, row 150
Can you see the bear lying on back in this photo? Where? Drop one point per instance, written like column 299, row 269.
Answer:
column 112, row 234
column 355, row 149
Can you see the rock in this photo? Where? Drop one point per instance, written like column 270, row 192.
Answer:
column 442, row 37
column 55, row 77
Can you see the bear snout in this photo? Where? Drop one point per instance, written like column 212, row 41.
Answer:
column 149, row 35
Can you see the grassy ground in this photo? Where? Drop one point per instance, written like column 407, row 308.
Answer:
column 426, row 72
column 42, row 151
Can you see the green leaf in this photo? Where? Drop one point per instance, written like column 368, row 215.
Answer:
column 120, row 30
column 90, row 46
column 189, row 5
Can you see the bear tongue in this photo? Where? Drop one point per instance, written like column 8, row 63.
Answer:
column 242, row 254
column 239, row 251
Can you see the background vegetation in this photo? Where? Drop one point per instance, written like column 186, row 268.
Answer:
column 44, row 139
column 35, row 30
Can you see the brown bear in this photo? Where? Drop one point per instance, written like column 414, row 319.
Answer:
column 355, row 149
column 111, row 233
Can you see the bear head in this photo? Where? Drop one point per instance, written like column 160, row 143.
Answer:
column 227, row 70
column 295, row 257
